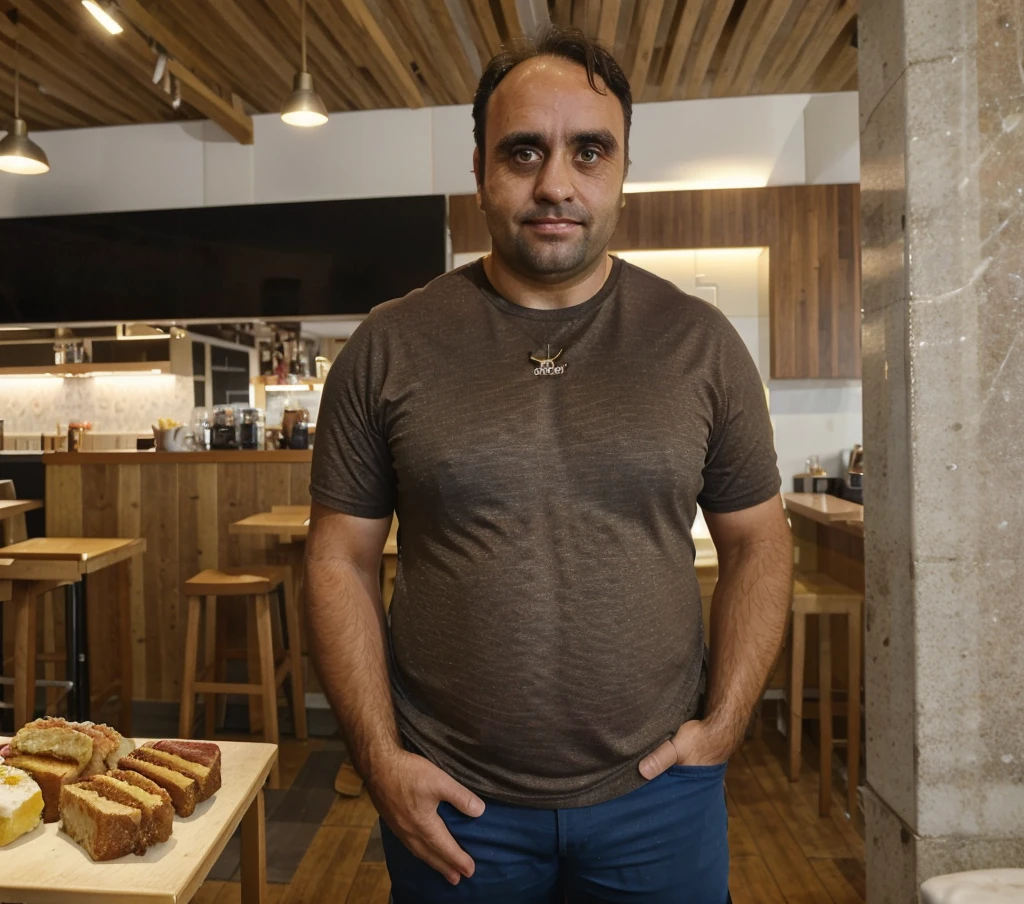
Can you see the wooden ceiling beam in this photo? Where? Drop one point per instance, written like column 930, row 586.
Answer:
column 481, row 13
column 196, row 93
column 434, row 19
column 418, row 33
column 753, row 13
column 836, row 73
column 408, row 90
column 608, row 22
column 42, row 74
column 696, row 68
column 258, row 43
column 476, row 35
column 513, row 27
column 818, row 45
column 786, row 53
column 204, row 65
column 82, row 54
column 767, row 27
column 198, row 26
column 410, row 45
column 41, row 105
column 645, row 29
column 682, row 41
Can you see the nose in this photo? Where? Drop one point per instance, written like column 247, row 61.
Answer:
column 554, row 181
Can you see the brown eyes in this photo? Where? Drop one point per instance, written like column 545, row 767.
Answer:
column 586, row 156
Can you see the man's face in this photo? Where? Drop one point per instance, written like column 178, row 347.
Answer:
column 552, row 187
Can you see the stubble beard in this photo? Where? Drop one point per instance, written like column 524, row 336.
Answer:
column 556, row 258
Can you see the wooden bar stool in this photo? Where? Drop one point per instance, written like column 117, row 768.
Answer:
column 256, row 583
column 818, row 594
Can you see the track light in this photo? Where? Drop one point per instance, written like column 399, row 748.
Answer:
column 19, row 154
column 304, row 107
column 103, row 17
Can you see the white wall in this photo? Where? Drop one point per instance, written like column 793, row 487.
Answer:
column 724, row 142
column 831, row 139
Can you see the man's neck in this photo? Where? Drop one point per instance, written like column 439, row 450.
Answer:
column 521, row 290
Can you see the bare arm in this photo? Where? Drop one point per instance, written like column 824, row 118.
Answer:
column 348, row 640
column 748, row 618
column 748, row 612
column 347, row 630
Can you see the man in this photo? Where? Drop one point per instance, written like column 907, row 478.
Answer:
column 533, row 724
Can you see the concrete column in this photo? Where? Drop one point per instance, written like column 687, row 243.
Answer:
column 942, row 159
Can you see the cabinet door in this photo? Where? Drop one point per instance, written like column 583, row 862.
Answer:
column 814, row 270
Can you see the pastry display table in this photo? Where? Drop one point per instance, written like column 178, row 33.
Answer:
column 47, row 867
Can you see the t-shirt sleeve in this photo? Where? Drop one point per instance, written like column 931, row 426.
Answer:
column 352, row 467
column 741, row 467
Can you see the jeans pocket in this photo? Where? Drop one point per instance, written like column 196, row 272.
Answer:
column 705, row 773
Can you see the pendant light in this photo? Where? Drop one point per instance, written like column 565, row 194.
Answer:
column 19, row 154
column 304, row 107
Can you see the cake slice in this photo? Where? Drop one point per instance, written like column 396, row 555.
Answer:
column 105, row 828
column 157, row 812
column 108, row 746
column 21, row 804
column 51, row 775
column 182, row 789
column 59, row 742
column 186, row 761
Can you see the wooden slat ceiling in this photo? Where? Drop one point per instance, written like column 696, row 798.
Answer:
column 233, row 58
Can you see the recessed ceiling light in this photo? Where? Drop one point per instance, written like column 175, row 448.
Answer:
column 103, row 17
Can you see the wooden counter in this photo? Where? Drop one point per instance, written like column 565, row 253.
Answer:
column 150, row 457
column 181, row 503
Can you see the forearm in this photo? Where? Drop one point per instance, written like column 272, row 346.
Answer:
column 348, row 642
column 748, row 619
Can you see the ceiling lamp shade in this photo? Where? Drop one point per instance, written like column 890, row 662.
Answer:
column 19, row 154
column 304, row 108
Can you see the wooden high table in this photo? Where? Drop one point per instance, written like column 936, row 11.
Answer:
column 291, row 527
column 47, row 867
column 42, row 564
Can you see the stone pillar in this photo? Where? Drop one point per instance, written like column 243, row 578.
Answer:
column 942, row 174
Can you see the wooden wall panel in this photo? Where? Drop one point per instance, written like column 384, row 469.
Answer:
column 813, row 236
column 183, row 511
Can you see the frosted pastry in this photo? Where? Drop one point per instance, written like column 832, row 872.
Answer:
column 21, row 804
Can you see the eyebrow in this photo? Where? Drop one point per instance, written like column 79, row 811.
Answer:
column 601, row 137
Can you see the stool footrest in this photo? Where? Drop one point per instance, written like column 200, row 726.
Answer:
column 226, row 687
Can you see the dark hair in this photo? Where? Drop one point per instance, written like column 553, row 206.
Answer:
column 568, row 44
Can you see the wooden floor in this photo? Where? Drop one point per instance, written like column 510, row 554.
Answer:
column 782, row 851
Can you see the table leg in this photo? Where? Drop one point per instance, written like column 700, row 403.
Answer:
column 254, row 853
column 79, row 703
column 125, row 577
column 24, row 602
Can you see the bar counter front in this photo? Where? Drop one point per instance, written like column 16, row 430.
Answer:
column 182, row 504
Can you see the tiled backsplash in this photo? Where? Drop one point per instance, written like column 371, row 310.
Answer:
column 112, row 404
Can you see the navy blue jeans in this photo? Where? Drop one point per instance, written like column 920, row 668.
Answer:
column 664, row 843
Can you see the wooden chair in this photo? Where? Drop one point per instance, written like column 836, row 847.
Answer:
column 817, row 594
column 255, row 583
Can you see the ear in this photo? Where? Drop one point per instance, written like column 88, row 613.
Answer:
column 476, row 174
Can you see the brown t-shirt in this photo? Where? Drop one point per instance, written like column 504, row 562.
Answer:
column 546, row 622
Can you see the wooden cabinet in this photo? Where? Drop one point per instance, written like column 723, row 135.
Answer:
column 813, row 236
